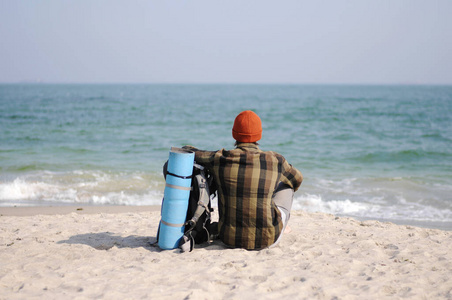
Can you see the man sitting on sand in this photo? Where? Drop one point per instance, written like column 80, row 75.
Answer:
column 255, row 187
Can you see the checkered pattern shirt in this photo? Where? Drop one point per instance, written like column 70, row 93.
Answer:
column 246, row 178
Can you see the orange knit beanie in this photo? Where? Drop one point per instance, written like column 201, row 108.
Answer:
column 247, row 127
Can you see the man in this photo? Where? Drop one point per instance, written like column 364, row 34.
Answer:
column 255, row 188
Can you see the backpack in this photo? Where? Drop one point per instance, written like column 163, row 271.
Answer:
column 199, row 227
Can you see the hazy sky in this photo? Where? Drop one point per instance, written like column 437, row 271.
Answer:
column 232, row 41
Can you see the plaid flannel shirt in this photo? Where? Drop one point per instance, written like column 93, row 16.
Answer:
column 246, row 178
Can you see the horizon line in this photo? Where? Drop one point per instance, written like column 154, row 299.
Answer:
column 37, row 82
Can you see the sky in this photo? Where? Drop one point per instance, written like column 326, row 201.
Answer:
column 233, row 41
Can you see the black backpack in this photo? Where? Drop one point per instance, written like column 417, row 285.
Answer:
column 199, row 227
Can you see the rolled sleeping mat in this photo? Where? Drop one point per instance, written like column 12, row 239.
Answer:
column 175, row 197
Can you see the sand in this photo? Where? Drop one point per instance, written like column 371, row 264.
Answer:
column 105, row 253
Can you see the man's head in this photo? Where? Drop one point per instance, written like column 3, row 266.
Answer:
column 247, row 127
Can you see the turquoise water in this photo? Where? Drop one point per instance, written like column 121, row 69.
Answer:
column 378, row 152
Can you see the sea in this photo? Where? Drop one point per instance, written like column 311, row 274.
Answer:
column 370, row 152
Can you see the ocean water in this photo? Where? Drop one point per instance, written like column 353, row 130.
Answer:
column 368, row 152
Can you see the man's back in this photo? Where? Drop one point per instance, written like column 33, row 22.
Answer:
column 247, row 178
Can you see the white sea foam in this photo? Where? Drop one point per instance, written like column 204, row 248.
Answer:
column 314, row 203
column 82, row 187
column 378, row 209
column 394, row 199
column 19, row 189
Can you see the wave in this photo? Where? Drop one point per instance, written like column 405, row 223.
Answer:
column 19, row 117
column 403, row 210
column 82, row 187
column 409, row 155
column 394, row 199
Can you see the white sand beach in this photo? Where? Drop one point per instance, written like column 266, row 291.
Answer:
column 105, row 253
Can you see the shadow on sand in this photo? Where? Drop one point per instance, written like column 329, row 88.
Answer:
column 107, row 240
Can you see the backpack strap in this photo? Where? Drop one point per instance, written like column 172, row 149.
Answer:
column 187, row 243
column 203, row 200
